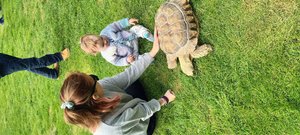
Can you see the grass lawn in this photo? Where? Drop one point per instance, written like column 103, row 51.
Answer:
column 250, row 84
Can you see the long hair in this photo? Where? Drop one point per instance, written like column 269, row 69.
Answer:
column 87, row 111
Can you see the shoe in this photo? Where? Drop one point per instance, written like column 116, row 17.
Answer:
column 142, row 32
column 65, row 53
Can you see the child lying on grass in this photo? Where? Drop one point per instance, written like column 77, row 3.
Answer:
column 116, row 44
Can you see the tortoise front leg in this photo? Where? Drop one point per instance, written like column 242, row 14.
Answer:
column 171, row 60
column 201, row 51
column 186, row 65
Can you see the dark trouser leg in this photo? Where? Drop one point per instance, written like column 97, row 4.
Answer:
column 6, row 58
column 1, row 20
column 10, row 64
column 152, row 124
column 47, row 72
column 44, row 61
column 136, row 90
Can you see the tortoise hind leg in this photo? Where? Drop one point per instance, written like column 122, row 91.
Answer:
column 171, row 60
column 186, row 65
column 201, row 51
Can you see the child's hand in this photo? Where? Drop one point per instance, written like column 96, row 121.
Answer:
column 133, row 21
column 130, row 59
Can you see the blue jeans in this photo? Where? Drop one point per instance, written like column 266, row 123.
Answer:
column 2, row 20
column 10, row 64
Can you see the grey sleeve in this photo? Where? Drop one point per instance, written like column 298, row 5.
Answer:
column 142, row 111
column 132, row 73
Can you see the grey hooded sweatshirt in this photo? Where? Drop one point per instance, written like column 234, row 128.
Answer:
column 131, row 116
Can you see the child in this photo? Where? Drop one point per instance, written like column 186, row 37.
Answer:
column 10, row 64
column 117, row 45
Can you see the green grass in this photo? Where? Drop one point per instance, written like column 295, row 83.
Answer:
column 249, row 85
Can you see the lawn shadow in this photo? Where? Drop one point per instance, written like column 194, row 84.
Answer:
column 157, row 79
column 292, row 47
column 201, row 40
column 293, row 103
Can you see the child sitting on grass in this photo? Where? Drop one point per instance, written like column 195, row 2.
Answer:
column 116, row 44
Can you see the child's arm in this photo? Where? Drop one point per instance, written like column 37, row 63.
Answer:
column 118, row 25
column 113, row 31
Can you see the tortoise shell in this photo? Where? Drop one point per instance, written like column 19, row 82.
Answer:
column 177, row 26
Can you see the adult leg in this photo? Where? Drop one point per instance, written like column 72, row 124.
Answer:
column 4, row 64
column 152, row 124
column 47, row 60
column 14, row 64
column 47, row 72
column 5, row 58
column 136, row 90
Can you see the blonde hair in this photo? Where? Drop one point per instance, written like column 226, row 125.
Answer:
column 88, row 41
column 86, row 111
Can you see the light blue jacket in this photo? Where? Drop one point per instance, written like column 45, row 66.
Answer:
column 120, row 43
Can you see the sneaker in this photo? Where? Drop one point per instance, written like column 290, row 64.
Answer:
column 142, row 32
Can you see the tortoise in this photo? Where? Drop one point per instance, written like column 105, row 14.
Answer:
column 178, row 31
